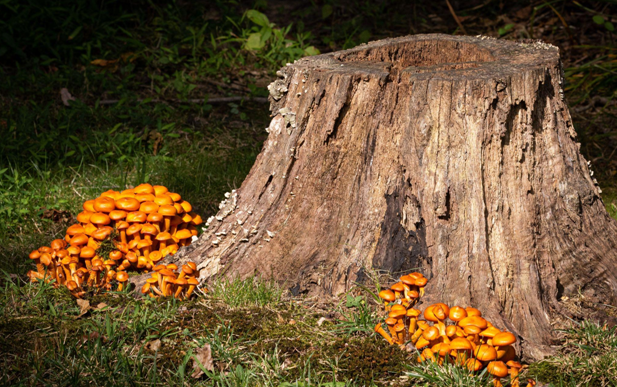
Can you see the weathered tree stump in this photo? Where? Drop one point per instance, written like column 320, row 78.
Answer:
column 452, row 155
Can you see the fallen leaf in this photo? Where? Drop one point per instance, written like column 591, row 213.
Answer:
column 66, row 96
column 101, row 305
column 155, row 345
column 103, row 62
column 321, row 321
column 202, row 359
column 84, row 307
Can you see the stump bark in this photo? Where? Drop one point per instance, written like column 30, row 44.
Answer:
column 454, row 156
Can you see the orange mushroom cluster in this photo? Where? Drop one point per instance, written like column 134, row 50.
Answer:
column 166, row 282
column 117, row 232
column 75, row 268
column 399, row 301
column 458, row 335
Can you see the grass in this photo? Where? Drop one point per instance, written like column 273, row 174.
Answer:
column 143, row 75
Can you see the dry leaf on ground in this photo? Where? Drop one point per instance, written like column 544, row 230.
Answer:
column 202, row 359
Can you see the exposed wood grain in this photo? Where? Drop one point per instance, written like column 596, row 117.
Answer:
column 455, row 155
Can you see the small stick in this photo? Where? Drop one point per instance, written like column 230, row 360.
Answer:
column 456, row 17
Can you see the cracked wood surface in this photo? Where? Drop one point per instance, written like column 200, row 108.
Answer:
column 452, row 155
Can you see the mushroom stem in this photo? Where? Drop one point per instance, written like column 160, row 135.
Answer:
column 190, row 290
column 379, row 329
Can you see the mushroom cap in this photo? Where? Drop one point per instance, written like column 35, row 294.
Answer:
column 89, row 206
column 186, row 218
column 178, row 208
column 155, row 256
column 101, row 234
column 71, row 285
column 99, row 218
column 397, row 314
column 35, row 254
column 431, row 333
column 144, row 197
column 421, row 282
column 134, row 228
column 473, row 320
column 413, row 294
column 133, row 244
column 163, row 200
column 182, row 282
column 149, row 229
column 45, row 259
column 58, row 244
column 514, row 364
column 127, row 193
column 391, row 321
column 132, row 257
column 163, row 236
column 127, row 204
column 197, row 220
column 407, row 280
column 398, row 287
column 504, row 338
column 79, row 240
column 485, row 352
column 457, row 313
column 136, row 217
column 460, row 343
column 429, row 313
column 167, row 210
column 148, row 207
column 146, row 288
column 122, row 276
column 183, row 234
column 104, row 204
column 473, row 311
column 174, row 196
column 84, row 216
column 192, row 281
column 387, row 295
column 110, row 194
column 144, row 243
column 414, row 313
column 186, row 206
column 144, row 188
column 172, row 266
column 155, row 217
column 87, row 252
column 62, row 253
column 159, row 267
column 160, row 189
column 75, row 229
column 192, row 265
column 451, row 330
column 153, row 280
column 122, row 225
column 167, row 273
column 89, row 229
column 473, row 364
column 116, row 215
column 490, row 332
column 116, row 255
column 73, row 250
column 46, row 249
column 497, row 369
column 471, row 330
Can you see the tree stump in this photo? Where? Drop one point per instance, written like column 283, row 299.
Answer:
column 454, row 156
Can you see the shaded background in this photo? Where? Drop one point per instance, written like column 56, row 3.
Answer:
column 98, row 95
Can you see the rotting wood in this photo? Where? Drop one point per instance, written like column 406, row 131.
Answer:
column 452, row 155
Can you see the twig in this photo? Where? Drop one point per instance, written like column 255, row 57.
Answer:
column 456, row 17
column 194, row 100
